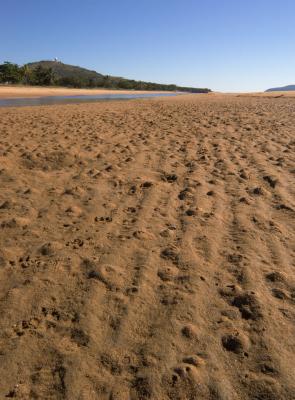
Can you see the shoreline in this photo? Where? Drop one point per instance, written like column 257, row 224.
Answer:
column 14, row 92
column 9, row 92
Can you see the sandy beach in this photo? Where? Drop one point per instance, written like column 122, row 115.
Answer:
column 147, row 248
column 7, row 92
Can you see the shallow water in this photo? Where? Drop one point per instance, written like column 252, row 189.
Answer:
column 41, row 101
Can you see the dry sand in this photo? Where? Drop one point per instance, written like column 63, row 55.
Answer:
column 35, row 91
column 147, row 250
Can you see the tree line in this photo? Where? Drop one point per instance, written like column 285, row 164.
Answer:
column 13, row 74
column 40, row 75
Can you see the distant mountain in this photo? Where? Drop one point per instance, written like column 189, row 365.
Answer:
column 58, row 73
column 282, row 89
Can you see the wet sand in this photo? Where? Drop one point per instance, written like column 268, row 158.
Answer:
column 147, row 250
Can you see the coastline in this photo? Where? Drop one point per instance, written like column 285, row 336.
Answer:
column 8, row 91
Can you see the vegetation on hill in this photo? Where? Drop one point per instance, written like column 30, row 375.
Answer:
column 55, row 73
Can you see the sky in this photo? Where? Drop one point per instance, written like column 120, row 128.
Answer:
column 225, row 45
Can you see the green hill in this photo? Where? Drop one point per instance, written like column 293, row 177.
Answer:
column 56, row 73
column 65, row 74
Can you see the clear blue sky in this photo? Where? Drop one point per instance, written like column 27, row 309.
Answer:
column 228, row 45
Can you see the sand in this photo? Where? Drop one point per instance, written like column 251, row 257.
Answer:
column 7, row 92
column 147, row 250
